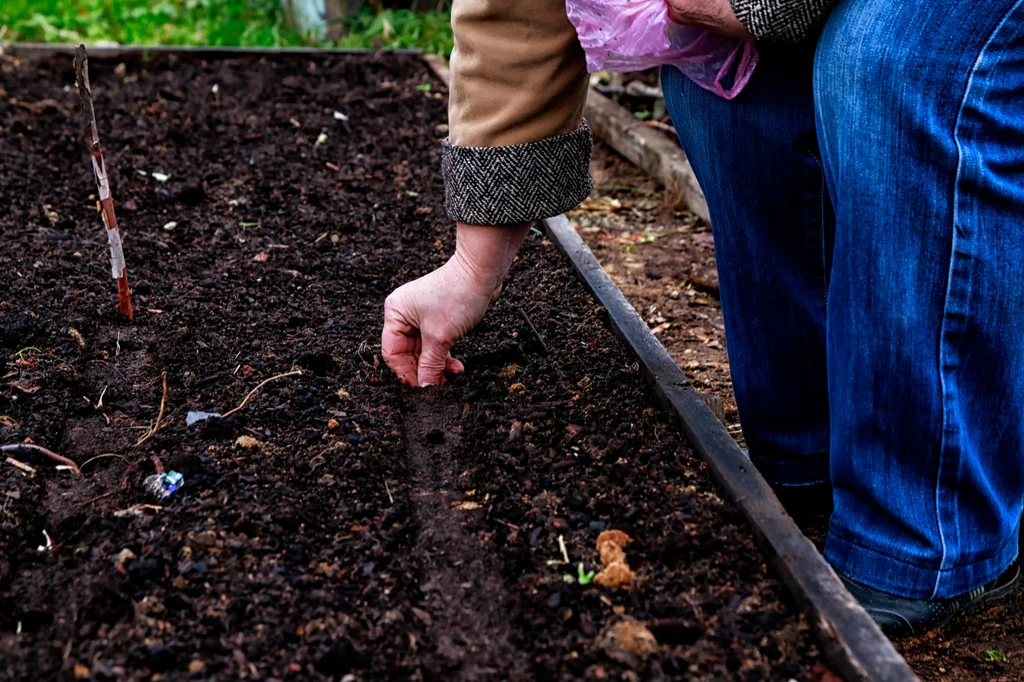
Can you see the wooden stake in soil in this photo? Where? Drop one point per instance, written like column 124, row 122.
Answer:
column 92, row 137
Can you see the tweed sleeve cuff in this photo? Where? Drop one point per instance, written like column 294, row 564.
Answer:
column 782, row 20
column 517, row 183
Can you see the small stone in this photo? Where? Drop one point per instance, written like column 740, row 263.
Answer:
column 82, row 672
column 196, row 666
column 517, row 389
column 332, row 424
column 343, row 394
column 124, row 556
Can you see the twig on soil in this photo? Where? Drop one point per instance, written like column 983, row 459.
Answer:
column 20, row 465
column 245, row 400
column 118, row 269
column 28, row 447
column 561, row 546
column 388, row 491
column 100, row 497
column 158, row 465
column 109, row 454
column 533, row 330
column 660, row 126
column 159, row 416
column 136, row 510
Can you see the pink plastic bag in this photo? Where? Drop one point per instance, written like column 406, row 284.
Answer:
column 632, row 35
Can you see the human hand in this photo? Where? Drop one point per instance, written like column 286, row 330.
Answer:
column 426, row 317
column 712, row 15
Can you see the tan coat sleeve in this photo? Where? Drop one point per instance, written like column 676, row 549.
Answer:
column 518, row 149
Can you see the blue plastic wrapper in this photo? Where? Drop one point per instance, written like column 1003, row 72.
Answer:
column 163, row 485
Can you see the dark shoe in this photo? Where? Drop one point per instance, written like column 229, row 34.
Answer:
column 900, row 617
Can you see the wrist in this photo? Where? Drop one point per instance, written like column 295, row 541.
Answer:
column 484, row 253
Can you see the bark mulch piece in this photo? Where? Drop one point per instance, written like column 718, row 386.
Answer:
column 339, row 524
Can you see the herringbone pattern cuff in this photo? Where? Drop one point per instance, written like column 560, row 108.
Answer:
column 518, row 183
column 782, row 20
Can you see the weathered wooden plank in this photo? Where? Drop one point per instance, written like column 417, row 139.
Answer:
column 647, row 148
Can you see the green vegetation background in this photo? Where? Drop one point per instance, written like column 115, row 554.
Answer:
column 250, row 23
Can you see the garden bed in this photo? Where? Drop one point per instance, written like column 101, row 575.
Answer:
column 338, row 524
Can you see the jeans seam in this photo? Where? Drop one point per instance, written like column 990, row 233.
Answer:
column 950, row 283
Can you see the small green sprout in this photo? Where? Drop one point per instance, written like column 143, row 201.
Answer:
column 583, row 577
column 26, row 350
column 643, row 115
column 993, row 656
column 424, row 87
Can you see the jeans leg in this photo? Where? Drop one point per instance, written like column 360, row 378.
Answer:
column 756, row 158
column 922, row 136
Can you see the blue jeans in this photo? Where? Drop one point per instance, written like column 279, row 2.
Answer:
column 867, row 195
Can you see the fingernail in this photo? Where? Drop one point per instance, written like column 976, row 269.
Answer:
column 426, row 384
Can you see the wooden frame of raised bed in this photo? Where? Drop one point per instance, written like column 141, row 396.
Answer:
column 851, row 641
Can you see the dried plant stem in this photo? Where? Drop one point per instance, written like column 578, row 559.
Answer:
column 28, row 447
column 258, row 387
column 117, row 265
column 159, row 416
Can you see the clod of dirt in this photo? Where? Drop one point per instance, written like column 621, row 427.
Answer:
column 611, row 552
column 629, row 642
column 247, row 443
column 510, row 371
column 616, row 574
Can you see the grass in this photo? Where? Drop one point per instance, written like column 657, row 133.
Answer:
column 401, row 28
column 247, row 23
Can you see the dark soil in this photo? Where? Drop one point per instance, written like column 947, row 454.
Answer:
column 361, row 530
column 663, row 260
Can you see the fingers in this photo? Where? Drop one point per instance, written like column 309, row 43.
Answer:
column 434, row 359
column 398, row 344
column 453, row 366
